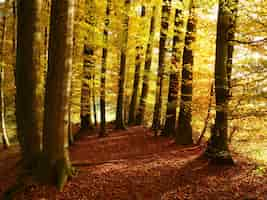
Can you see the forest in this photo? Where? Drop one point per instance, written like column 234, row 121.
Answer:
column 133, row 99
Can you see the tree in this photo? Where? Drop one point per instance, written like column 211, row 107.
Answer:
column 137, row 78
column 217, row 148
column 230, row 51
column 148, row 60
column 103, row 72
column 14, row 35
column 29, row 87
column 86, row 106
column 94, row 97
column 78, row 59
column 88, row 66
column 2, row 79
column 120, row 124
column 58, row 84
column 165, row 17
column 133, row 104
column 184, row 127
column 177, row 52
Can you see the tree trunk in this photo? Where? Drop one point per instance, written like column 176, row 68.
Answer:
column 166, row 12
column 2, row 80
column 217, row 148
column 93, row 98
column 103, row 72
column 133, row 104
column 70, row 133
column 29, row 87
column 58, row 86
column 177, row 52
column 86, row 108
column 120, row 124
column 78, row 58
column 184, row 127
column 138, row 62
column 14, row 32
column 230, row 51
column 142, row 104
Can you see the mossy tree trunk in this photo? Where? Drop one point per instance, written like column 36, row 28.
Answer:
column 148, row 60
column 120, row 124
column 58, row 86
column 184, row 127
column 2, row 79
column 177, row 52
column 217, row 148
column 28, row 80
column 166, row 13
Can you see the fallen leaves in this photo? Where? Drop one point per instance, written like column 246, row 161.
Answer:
column 134, row 165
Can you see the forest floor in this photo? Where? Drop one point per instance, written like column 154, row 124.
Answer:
column 135, row 165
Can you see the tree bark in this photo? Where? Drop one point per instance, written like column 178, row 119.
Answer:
column 58, row 86
column 230, row 51
column 138, row 62
column 120, row 124
column 29, row 87
column 88, row 66
column 217, row 148
column 86, row 106
column 177, row 52
column 133, row 104
column 14, row 33
column 184, row 127
column 166, row 12
column 103, row 72
column 94, row 98
column 2, row 80
column 148, row 60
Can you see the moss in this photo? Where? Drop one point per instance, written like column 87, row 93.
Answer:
column 64, row 170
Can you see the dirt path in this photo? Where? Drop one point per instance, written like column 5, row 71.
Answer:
column 135, row 165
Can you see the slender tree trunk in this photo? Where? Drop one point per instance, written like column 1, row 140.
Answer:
column 78, row 49
column 230, row 51
column 88, row 66
column 166, row 12
column 58, row 88
column 93, row 98
column 70, row 133
column 142, row 104
column 138, row 62
column 14, row 33
column 217, row 148
column 133, row 104
column 177, row 53
column 103, row 72
column 184, row 127
column 120, row 124
column 86, row 108
column 2, row 80
column 29, row 87
column 2, row 101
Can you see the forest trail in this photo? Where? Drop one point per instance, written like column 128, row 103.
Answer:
column 135, row 165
